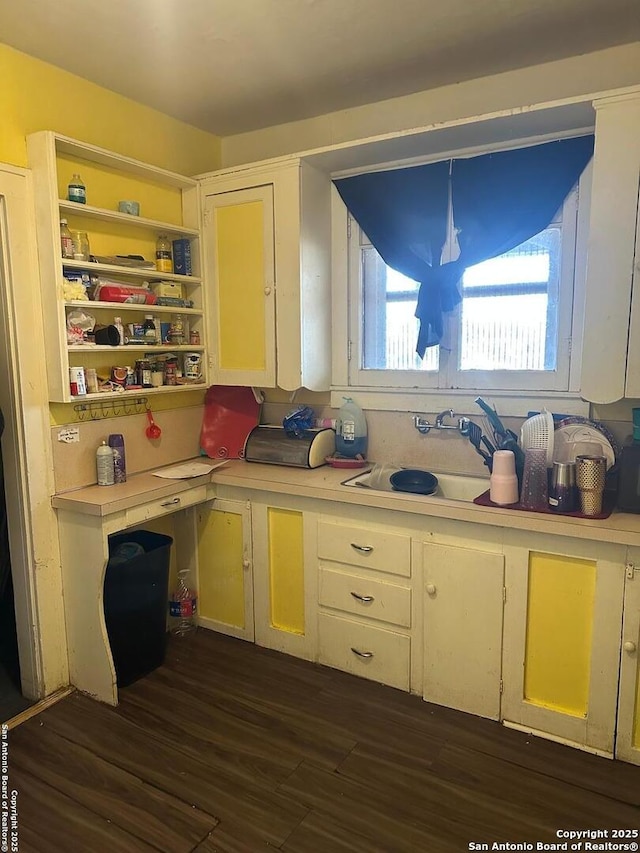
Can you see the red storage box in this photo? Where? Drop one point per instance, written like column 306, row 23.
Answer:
column 124, row 293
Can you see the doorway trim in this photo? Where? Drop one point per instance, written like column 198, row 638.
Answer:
column 26, row 446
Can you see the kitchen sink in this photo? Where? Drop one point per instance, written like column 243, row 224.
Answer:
column 453, row 487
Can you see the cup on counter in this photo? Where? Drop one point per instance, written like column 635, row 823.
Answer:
column 504, row 482
column 534, row 493
column 562, row 490
column 590, row 477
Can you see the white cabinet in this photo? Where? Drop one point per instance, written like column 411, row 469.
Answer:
column 628, row 734
column 170, row 206
column 611, row 348
column 562, row 621
column 462, row 615
column 267, row 261
column 366, row 603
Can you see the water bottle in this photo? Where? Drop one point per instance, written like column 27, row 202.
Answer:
column 66, row 240
column 351, row 432
column 76, row 191
column 104, row 465
column 183, row 606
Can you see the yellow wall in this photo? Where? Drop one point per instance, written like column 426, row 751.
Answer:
column 37, row 96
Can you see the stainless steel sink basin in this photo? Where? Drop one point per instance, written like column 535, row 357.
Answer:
column 453, row 487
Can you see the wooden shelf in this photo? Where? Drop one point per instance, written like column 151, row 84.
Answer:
column 150, row 348
column 147, row 274
column 72, row 208
column 143, row 308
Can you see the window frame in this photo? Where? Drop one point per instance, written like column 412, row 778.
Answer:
column 413, row 391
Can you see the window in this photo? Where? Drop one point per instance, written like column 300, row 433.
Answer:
column 511, row 331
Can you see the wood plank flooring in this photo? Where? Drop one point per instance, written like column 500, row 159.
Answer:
column 230, row 748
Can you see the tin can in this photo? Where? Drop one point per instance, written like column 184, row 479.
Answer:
column 171, row 371
column 119, row 375
column 130, row 378
column 194, row 338
column 192, row 365
column 77, row 382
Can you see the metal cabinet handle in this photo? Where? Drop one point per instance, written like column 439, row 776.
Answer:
column 171, row 502
column 365, row 549
column 267, row 291
column 431, row 588
column 361, row 654
column 246, row 564
column 629, row 647
column 365, row 598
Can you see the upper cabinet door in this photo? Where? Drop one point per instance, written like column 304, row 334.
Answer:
column 239, row 260
column 611, row 347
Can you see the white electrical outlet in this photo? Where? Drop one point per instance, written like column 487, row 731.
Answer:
column 69, row 435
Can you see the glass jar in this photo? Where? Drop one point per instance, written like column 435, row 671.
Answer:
column 81, row 250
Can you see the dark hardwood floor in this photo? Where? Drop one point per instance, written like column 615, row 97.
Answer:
column 229, row 747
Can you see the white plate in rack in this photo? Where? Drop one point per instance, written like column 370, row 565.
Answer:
column 569, row 441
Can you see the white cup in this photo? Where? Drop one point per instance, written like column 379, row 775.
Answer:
column 503, row 485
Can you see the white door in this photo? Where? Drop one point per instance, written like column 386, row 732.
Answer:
column 26, row 447
column 463, row 628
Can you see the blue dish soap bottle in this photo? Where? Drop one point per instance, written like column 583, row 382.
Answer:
column 351, row 430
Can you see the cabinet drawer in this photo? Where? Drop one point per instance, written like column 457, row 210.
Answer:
column 387, row 602
column 359, row 546
column 373, row 653
column 166, row 505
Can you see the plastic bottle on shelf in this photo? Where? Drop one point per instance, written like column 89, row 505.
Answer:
column 76, row 191
column 351, row 430
column 150, row 332
column 66, row 240
column 117, row 322
column 164, row 257
column 183, row 606
column 105, row 465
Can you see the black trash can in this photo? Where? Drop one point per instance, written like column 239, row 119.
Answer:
column 135, row 602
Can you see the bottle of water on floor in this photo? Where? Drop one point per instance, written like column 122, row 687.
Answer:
column 183, row 606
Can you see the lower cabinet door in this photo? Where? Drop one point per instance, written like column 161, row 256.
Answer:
column 563, row 617
column 371, row 652
column 628, row 736
column 225, row 578
column 463, row 628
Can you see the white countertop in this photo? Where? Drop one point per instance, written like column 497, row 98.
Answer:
column 325, row 483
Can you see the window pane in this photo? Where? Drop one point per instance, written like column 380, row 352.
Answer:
column 389, row 328
column 510, row 308
column 504, row 333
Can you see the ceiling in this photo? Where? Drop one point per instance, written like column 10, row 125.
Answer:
column 230, row 66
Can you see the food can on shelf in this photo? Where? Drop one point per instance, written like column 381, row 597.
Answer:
column 119, row 375
column 192, row 365
column 77, row 382
column 171, row 371
column 130, row 378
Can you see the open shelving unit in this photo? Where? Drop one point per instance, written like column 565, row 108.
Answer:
column 52, row 157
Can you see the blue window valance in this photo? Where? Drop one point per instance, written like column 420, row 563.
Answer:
column 499, row 200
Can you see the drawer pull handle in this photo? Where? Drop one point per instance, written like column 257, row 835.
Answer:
column 365, row 598
column 364, row 549
column 361, row 654
column 171, row 502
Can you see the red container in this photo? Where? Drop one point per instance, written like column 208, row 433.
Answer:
column 125, row 293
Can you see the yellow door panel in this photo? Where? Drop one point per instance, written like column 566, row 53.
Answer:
column 286, row 570
column 240, row 274
column 221, row 576
column 558, row 637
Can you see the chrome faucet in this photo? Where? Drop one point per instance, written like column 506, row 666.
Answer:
column 423, row 425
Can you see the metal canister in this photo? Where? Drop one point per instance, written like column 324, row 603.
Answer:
column 194, row 338
column 171, row 371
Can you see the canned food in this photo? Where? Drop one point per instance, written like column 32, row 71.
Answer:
column 77, row 382
column 192, row 365
column 171, row 371
column 119, row 375
column 130, row 378
column 194, row 338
